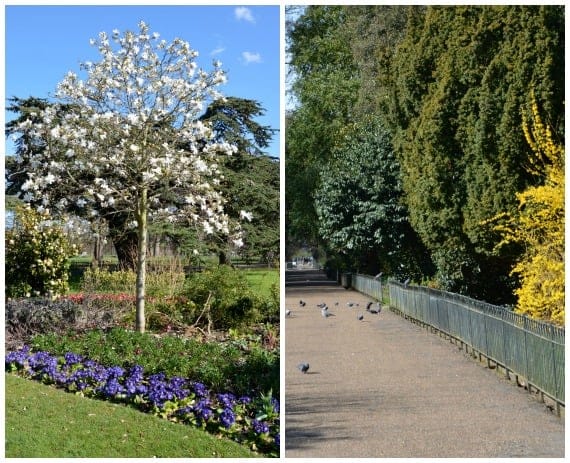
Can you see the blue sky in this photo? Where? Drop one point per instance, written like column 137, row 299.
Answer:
column 43, row 43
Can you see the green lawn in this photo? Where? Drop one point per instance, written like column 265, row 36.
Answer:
column 42, row 421
column 262, row 279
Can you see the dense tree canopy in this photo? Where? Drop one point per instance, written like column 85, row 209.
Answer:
column 326, row 88
column 250, row 178
column 449, row 84
column 462, row 75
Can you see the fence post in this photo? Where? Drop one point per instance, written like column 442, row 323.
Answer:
column 526, row 354
column 556, row 380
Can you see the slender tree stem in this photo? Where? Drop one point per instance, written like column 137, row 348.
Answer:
column 142, row 212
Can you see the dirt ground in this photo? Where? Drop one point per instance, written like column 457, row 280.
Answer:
column 384, row 387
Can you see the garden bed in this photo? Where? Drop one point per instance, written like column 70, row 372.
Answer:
column 252, row 420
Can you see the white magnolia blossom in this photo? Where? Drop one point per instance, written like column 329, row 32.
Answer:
column 128, row 119
column 245, row 215
column 208, row 227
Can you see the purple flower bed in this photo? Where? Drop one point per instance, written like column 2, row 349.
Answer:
column 251, row 421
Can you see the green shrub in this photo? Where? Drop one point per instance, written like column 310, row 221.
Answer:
column 261, row 364
column 269, row 308
column 232, row 302
column 175, row 303
column 37, row 255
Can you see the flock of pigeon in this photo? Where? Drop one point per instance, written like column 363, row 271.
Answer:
column 371, row 307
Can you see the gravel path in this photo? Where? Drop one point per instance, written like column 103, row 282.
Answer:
column 384, row 387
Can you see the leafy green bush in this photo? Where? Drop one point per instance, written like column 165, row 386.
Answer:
column 269, row 309
column 232, row 302
column 37, row 254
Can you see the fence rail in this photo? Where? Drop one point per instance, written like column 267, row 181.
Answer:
column 528, row 348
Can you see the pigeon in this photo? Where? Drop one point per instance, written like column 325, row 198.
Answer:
column 303, row 367
column 351, row 304
column 325, row 312
column 376, row 310
column 336, row 303
column 360, row 317
column 407, row 282
column 368, row 306
column 302, row 303
column 321, row 305
column 287, row 313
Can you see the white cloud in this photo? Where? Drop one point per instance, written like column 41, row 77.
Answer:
column 217, row 50
column 250, row 57
column 244, row 13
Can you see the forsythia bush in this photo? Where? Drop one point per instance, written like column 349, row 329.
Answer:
column 37, row 256
column 539, row 226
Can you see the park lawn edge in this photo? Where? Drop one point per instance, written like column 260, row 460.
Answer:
column 43, row 421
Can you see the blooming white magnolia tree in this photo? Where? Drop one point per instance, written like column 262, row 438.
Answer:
column 130, row 138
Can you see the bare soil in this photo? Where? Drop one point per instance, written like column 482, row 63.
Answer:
column 385, row 387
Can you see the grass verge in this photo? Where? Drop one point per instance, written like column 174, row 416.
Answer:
column 261, row 280
column 42, row 421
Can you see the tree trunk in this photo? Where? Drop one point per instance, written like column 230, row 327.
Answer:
column 126, row 245
column 222, row 258
column 97, row 252
column 125, row 241
column 98, row 228
column 142, row 212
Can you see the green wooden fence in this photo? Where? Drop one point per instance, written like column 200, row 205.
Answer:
column 528, row 348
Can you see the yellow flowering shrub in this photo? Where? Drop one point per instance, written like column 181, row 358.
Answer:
column 539, row 226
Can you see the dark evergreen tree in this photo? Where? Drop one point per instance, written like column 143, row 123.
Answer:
column 251, row 178
column 461, row 76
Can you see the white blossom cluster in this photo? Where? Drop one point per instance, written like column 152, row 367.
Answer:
column 131, row 130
